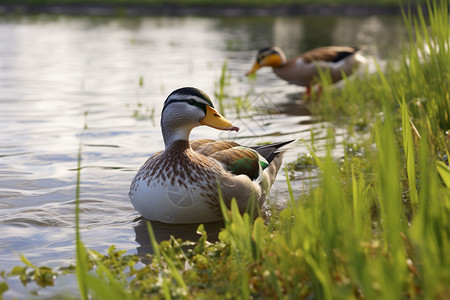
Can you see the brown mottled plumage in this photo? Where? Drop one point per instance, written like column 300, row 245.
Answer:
column 215, row 146
column 197, row 143
column 182, row 183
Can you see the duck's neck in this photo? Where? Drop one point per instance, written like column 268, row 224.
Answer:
column 172, row 135
column 178, row 147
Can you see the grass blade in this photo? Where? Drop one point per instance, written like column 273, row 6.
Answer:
column 81, row 255
column 408, row 148
column 444, row 171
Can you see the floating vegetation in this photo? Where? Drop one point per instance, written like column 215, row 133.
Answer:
column 143, row 112
column 303, row 162
column 43, row 276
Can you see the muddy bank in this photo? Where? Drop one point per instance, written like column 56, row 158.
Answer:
column 197, row 10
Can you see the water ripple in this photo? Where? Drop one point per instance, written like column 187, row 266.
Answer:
column 101, row 83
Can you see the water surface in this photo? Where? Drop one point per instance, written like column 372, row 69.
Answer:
column 101, row 82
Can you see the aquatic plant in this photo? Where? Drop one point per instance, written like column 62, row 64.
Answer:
column 421, row 78
column 223, row 82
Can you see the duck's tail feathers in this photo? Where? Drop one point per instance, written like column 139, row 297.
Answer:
column 269, row 152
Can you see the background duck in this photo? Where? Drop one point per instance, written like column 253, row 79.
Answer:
column 303, row 70
column 180, row 184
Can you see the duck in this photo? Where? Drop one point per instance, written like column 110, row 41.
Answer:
column 182, row 184
column 303, row 70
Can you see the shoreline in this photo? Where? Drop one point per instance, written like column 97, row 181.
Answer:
column 202, row 10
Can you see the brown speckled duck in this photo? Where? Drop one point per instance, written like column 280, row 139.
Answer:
column 303, row 70
column 181, row 184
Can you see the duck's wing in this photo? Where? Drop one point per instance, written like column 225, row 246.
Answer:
column 239, row 161
column 328, row 54
column 195, row 144
column 250, row 161
column 208, row 147
column 234, row 158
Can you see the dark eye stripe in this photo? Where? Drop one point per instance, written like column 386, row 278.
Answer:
column 263, row 53
column 189, row 101
column 190, row 91
column 189, row 95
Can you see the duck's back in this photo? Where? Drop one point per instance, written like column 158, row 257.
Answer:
column 303, row 70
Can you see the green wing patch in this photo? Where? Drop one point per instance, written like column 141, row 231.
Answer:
column 239, row 161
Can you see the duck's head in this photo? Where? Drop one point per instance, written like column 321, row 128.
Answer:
column 187, row 108
column 268, row 57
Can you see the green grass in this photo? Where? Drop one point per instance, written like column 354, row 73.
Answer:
column 81, row 266
column 420, row 80
column 377, row 226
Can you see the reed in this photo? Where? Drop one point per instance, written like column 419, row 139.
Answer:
column 421, row 78
column 223, row 82
column 81, row 266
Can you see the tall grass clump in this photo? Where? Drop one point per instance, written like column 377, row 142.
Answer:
column 421, row 77
column 354, row 234
column 426, row 65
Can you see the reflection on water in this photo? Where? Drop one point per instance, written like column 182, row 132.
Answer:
column 164, row 232
column 102, row 82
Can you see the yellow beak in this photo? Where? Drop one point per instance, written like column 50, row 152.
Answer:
column 215, row 120
column 255, row 67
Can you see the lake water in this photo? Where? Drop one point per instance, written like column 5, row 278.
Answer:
column 100, row 82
